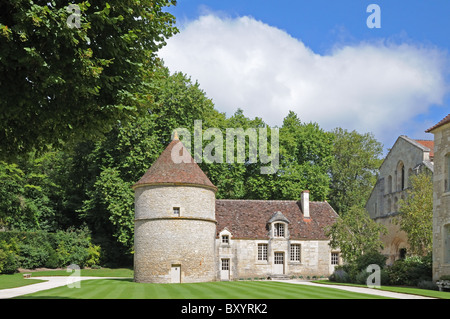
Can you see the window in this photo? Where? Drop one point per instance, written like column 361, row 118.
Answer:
column 400, row 176
column 335, row 258
column 176, row 211
column 225, row 239
column 262, row 251
column 226, row 264
column 403, row 178
column 295, row 252
column 278, row 230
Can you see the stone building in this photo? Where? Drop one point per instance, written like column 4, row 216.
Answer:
column 406, row 157
column 183, row 234
column 441, row 198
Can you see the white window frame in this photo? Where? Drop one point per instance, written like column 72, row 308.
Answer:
column 225, row 264
column 334, row 258
column 262, row 251
column 226, row 239
column 295, row 252
column 279, row 230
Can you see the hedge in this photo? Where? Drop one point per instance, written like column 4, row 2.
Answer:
column 43, row 249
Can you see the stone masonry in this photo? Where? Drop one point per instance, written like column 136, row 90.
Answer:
column 441, row 198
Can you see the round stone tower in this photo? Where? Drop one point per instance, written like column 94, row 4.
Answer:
column 175, row 225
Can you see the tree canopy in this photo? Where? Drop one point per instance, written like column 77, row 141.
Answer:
column 60, row 82
column 85, row 110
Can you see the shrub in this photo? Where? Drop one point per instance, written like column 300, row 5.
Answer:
column 43, row 249
column 361, row 278
column 427, row 284
column 339, row 275
column 411, row 271
column 8, row 257
column 370, row 258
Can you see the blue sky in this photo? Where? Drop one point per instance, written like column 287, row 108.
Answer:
column 319, row 59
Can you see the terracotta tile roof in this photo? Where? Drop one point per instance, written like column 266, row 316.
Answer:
column 249, row 218
column 165, row 171
column 429, row 144
column 445, row 120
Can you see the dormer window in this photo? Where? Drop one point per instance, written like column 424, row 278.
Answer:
column 278, row 225
column 225, row 239
column 279, row 230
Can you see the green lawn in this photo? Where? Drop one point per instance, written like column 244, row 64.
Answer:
column 127, row 289
column 405, row 290
column 16, row 280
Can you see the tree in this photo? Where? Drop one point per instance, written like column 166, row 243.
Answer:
column 355, row 234
column 109, row 167
column 416, row 214
column 305, row 159
column 61, row 82
column 354, row 169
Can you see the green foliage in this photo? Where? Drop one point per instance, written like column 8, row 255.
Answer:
column 306, row 156
column 416, row 214
column 8, row 257
column 356, row 271
column 25, row 189
column 355, row 234
column 354, row 169
column 411, row 271
column 61, row 83
column 42, row 249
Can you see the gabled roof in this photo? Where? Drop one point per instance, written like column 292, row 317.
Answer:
column 248, row 219
column 444, row 121
column 165, row 171
column 278, row 216
column 420, row 144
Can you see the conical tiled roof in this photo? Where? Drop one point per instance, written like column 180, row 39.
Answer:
column 177, row 168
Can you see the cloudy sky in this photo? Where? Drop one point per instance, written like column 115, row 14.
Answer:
column 321, row 60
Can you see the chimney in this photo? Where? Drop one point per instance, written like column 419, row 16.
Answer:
column 305, row 204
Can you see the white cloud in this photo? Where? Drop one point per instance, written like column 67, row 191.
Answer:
column 377, row 87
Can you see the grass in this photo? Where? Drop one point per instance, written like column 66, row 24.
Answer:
column 127, row 289
column 16, row 280
column 406, row 290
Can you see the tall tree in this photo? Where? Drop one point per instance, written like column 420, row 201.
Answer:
column 354, row 169
column 61, row 81
column 355, row 234
column 416, row 214
column 306, row 156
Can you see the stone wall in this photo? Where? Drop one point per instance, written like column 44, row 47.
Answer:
column 383, row 204
column 441, row 203
column 163, row 239
column 315, row 258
